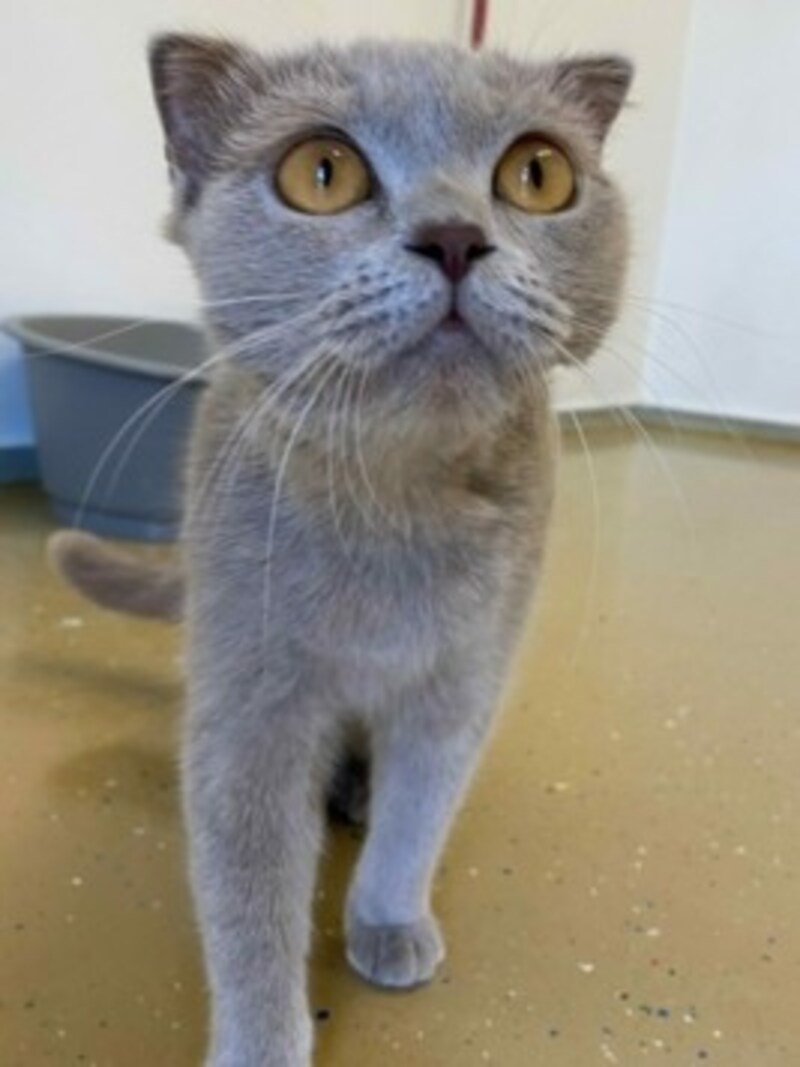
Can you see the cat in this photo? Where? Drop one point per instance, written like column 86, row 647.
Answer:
column 395, row 243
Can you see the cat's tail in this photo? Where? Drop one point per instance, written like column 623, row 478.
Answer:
column 117, row 581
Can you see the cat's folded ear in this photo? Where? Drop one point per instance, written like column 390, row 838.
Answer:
column 597, row 84
column 201, row 87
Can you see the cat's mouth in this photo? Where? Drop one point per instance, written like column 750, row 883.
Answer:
column 453, row 320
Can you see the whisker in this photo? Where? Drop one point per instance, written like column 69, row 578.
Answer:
column 710, row 396
column 639, row 428
column 649, row 303
column 346, row 426
column 63, row 347
column 226, row 463
column 616, row 352
column 155, row 402
column 389, row 517
column 267, row 403
column 150, row 410
column 330, row 458
column 590, row 593
column 328, row 366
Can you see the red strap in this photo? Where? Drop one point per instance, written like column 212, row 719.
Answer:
column 480, row 17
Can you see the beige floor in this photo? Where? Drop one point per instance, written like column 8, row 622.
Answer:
column 622, row 885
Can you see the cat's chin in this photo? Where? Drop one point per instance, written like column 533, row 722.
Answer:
column 451, row 380
column 451, row 350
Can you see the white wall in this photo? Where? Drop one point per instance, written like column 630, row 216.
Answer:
column 82, row 181
column 726, row 335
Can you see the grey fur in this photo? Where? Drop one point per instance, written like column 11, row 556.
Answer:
column 367, row 494
column 115, row 580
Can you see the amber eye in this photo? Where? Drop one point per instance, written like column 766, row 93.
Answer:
column 535, row 176
column 323, row 176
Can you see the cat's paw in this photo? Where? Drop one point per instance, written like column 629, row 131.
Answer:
column 395, row 957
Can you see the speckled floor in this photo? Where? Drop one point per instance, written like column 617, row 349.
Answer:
column 623, row 884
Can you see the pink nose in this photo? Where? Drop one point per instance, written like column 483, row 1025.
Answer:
column 454, row 246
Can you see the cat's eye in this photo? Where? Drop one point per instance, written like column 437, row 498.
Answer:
column 535, row 176
column 323, row 176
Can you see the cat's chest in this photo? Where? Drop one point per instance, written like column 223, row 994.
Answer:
column 395, row 608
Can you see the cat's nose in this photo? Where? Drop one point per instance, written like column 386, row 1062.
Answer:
column 454, row 246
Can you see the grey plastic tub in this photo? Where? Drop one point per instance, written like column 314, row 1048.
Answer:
column 111, row 423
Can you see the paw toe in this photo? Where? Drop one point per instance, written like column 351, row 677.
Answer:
column 395, row 957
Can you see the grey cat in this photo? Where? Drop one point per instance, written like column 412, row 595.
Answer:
column 394, row 243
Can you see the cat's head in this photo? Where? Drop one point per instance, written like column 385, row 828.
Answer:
column 427, row 226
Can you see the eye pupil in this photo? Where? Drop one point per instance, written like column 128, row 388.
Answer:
column 534, row 172
column 324, row 175
column 535, row 176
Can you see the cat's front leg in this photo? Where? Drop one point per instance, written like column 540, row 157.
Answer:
column 423, row 759
column 254, row 824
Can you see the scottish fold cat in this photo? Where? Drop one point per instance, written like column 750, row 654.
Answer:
column 394, row 244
